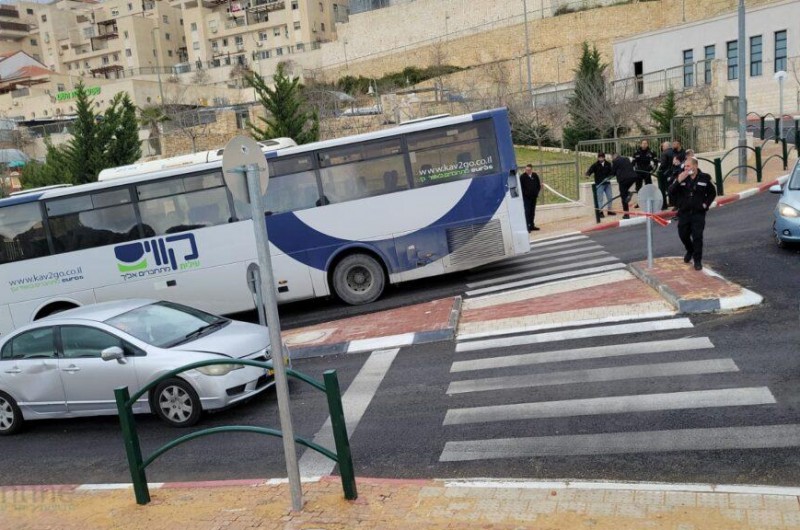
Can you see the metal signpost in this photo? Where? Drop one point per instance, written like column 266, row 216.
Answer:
column 650, row 196
column 246, row 174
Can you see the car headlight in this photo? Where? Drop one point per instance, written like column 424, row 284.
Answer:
column 787, row 211
column 219, row 369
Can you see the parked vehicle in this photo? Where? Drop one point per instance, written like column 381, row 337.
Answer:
column 786, row 226
column 68, row 365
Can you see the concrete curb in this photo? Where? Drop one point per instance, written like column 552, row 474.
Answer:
column 747, row 298
column 380, row 343
column 723, row 201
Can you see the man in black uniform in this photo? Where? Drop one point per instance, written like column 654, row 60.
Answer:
column 531, row 186
column 602, row 173
column 622, row 168
column 643, row 163
column 692, row 192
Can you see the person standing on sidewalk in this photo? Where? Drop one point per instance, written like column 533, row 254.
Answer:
column 531, row 187
column 601, row 170
column 664, row 170
column 692, row 192
column 643, row 163
column 622, row 168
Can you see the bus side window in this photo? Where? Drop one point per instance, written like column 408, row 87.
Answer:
column 22, row 233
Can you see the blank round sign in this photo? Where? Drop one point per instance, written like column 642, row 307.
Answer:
column 239, row 153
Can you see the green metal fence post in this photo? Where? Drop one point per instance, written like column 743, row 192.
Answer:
column 718, row 176
column 759, row 165
column 132, row 448
column 596, row 204
column 763, row 127
column 340, row 434
column 785, row 154
column 776, row 133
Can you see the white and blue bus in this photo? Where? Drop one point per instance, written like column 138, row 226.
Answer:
column 345, row 217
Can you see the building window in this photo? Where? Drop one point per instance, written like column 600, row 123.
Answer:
column 239, row 41
column 301, row 47
column 195, row 45
column 322, row 26
column 105, row 59
column 297, row 25
column 34, row 42
column 710, row 55
column 165, row 19
column 115, row 12
column 262, row 35
column 69, row 66
column 224, row 42
column 321, row 6
column 294, row 5
column 169, row 53
column 688, row 68
column 155, row 54
column 130, row 7
column 167, row 36
column 116, row 57
column 780, row 51
column 194, row 26
column 125, row 34
column 276, row 32
column 756, row 68
column 29, row 11
column 733, row 60
column 128, row 52
column 60, row 87
column 278, row 51
column 86, row 64
column 47, row 36
column 242, row 116
column 44, row 18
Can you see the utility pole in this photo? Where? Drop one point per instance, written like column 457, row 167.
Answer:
column 742, row 67
column 528, row 51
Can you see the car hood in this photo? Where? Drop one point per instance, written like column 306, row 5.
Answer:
column 237, row 340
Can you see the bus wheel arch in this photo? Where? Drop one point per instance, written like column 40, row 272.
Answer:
column 51, row 308
column 358, row 275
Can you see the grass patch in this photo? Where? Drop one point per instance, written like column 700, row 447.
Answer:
column 532, row 155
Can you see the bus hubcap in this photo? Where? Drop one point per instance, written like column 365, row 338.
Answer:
column 359, row 279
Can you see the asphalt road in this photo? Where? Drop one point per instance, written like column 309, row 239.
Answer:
column 402, row 434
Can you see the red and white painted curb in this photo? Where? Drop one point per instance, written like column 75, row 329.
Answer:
column 727, row 199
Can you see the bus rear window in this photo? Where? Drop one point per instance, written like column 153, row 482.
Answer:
column 22, row 234
column 451, row 153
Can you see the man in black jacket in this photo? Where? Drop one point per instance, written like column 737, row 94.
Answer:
column 601, row 170
column 643, row 163
column 622, row 168
column 531, row 187
column 692, row 192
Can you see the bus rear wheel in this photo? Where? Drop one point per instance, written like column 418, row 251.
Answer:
column 358, row 279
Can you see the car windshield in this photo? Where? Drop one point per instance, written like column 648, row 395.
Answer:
column 166, row 324
column 794, row 184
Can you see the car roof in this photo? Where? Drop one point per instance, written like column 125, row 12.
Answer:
column 102, row 311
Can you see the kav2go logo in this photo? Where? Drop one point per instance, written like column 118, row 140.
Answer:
column 156, row 256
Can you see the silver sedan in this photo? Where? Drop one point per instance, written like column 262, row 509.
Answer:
column 69, row 364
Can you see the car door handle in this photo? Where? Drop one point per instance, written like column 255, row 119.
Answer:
column 13, row 371
column 72, row 368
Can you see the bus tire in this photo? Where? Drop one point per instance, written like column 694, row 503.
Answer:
column 358, row 279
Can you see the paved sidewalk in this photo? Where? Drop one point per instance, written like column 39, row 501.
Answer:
column 609, row 297
column 691, row 291
column 403, row 504
column 415, row 324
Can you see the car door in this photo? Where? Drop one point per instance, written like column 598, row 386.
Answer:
column 89, row 381
column 29, row 367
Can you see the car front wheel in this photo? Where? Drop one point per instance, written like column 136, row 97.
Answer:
column 176, row 403
column 10, row 415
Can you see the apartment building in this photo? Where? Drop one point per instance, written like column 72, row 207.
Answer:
column 230, row 32
column 18, row 30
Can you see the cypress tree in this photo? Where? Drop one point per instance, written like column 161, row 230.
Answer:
column 82, row 149
column 589, row 85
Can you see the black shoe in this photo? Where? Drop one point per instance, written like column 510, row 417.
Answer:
column 687, row 257
column 698, row 266
column 610, row 212
column 600, row 215
column 626, row 216
column 536, row 228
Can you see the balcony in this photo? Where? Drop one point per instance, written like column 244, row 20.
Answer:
column 13, row 30
column 213, row 3
column 267, row 6
column 235, row 23
column 8, row 12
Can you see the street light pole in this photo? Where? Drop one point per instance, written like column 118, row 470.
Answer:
column 528, row 50
column 157, row 49
column 780, row 76
column 742, row 95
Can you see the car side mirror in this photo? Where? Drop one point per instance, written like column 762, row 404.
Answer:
column 776, row 189
column 114, row 353
column 512, row 184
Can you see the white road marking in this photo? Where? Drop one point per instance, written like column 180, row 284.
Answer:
column 355, row 401
column 532, row 269
column 391, row 341
column 557, row 240
column 526, row 258
column 545, row 279
column 696, row 399
column 559, row 237
column 711, row 439
column 581, row 333
column 541, row 272
column 578, row 354
column 596, row 375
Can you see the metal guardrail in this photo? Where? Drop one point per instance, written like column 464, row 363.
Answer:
column 137, row 464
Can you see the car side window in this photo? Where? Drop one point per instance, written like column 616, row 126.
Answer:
column 34, row 344
column 82, row 341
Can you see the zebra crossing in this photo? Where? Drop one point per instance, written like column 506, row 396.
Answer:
column 644, row 375
column 552, row 259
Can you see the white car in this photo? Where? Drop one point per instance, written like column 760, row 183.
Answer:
column 68, row 365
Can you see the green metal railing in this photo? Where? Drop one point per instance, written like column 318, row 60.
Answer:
column 330, row 386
